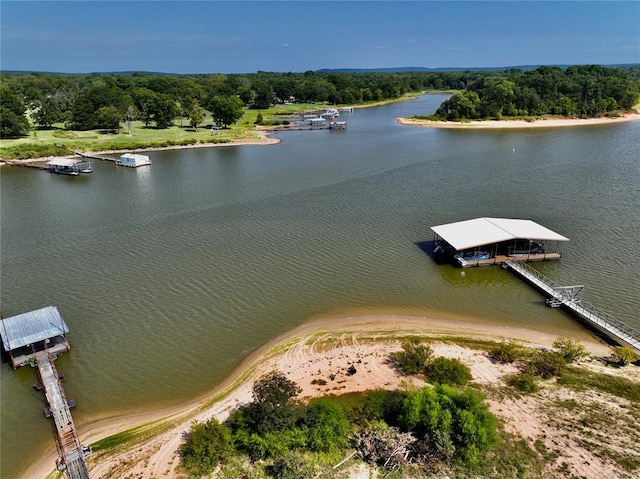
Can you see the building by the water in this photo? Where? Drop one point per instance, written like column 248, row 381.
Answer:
column 69, row 166
column 25, row 335
column 485, row 241
column 133, row 160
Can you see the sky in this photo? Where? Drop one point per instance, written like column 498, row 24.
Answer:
column 87, row 36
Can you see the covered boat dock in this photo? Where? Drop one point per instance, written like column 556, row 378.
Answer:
column 69, row 166
column 486, row 241
column 27, row 334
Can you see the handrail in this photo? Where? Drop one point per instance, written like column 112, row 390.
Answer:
column 590, row 312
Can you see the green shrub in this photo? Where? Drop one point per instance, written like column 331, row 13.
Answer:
column 570, row 349
column 545, row 364
column 207, row 445
column 451, row 371
column 451, row 424
column 523, row 382
column 414, row 356
column 623, row 355
column 327, row 426
column 291, row 466
column 507, row 352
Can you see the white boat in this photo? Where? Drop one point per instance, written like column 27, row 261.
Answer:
column 331, row 113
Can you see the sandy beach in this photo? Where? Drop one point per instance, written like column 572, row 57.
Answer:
column 509, row 124
column 326, row 348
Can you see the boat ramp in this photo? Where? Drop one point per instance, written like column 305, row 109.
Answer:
column 36, row 338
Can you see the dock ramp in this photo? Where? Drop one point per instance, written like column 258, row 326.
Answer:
column 570, row 298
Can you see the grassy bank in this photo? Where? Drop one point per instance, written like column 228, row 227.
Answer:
column 57, row 141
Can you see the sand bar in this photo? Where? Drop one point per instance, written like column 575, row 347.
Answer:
column 509, row 124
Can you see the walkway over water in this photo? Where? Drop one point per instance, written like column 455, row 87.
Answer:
column 72, row 453
column 570, row 297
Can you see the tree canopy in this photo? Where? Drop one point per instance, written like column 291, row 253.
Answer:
column 49, row 98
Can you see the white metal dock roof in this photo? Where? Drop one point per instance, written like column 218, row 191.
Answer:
column 483, row 231
column 31, row 327
column 59, row 161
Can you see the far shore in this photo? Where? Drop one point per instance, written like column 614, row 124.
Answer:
column 318, row 348
column 509, row 124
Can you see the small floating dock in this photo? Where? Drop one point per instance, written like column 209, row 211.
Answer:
column 487, row 241
column 36, row 338
column 570, row 299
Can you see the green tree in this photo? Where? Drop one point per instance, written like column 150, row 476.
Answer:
column 163, row 110
column 108, row 118
column 49, row 111
column 89, row 101
column 207, row 445
column 274, row 408
column 13, row 122
column 195, row 113
column 225, row 110
column 263, row 95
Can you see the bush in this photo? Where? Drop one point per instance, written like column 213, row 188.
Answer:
column 207, row 445
column 570, row 349
column 506, row 352
column 623, row 355
column 545, row 364
column 384, row 405
column 451, row 424
column 447, row 371
column 523, row 382
column 327, row 426
column 291, row 466
column 414, row 356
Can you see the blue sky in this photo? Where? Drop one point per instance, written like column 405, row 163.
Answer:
column 247, row 36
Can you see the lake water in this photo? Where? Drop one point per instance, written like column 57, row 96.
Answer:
column 169, row 275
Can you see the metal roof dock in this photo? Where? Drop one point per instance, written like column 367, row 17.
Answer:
column 484, row 241
column 26, row 334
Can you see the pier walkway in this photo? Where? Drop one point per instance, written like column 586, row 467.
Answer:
column 570, row 297
column 72, row 453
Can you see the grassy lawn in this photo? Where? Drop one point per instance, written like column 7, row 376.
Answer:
column 60, row 142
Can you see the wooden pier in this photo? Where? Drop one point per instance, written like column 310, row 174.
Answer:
column 36, row 338
column 94, row 156
column 71, row 452
column 570, row 298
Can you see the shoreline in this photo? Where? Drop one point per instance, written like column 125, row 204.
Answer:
column 299, row 354
column 262, row 139
column 517, row 124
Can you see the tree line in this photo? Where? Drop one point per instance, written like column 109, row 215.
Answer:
column 576, row 91
column 105, row 101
